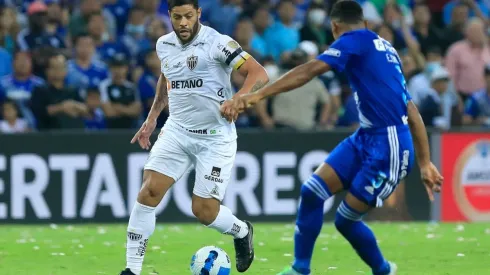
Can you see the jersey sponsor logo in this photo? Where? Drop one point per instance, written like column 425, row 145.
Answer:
column 226, row 52
column 201, row 132
column 198, row 44
column 216, row 172
column 332, row 52
column 403, row 173
column 168, row 43
column 215, row 175
column 192, row 62
column 187, row 84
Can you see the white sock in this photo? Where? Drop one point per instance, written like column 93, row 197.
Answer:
column 227, row 223
column 141, row 226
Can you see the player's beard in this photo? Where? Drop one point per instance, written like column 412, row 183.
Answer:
column 193, row 32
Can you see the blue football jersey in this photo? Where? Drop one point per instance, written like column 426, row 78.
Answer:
column 374, row 71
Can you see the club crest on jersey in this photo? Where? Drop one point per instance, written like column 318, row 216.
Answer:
column 192, row 62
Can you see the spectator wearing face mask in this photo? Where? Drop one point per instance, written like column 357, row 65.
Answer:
column 315, row 28
column 134, row 38
column 419, row 84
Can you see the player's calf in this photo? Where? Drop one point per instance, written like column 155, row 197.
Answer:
column 348, row 222
column 314, row 193
column 142, row 220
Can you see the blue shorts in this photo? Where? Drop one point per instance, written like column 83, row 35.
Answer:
column 371, row 162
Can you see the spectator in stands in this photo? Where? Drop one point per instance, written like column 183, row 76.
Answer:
column 120, row 11
column 120, row 99
column 315, row 27
column 147, row 85
column 57, row 19
column 79, row 19
column 477, row 111
column 419, row 84
column 476, row 8
column 134, row 35
column 454, row 32
column 244, row 34
column 36, row 36
column 8, row 29
column 439, row 107
column 95, row 120
column 466, row 59
column 152, row 11
column 105, row 45
column 84, row 71
column 298, row 108
column 55, row 105
column 19, row 85
column 283, row 37
column 11, row 122
column 261, row 20
column 426, row 33
column 225, row 24
column 5, row 62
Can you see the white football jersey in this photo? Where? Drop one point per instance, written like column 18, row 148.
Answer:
column 198, row 79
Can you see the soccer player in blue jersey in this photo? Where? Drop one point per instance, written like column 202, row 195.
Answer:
column 370, row 163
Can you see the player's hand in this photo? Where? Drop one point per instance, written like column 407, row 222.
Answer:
column 144, row 133
column 432, row 179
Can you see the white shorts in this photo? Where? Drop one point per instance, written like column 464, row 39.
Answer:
column 176, row 151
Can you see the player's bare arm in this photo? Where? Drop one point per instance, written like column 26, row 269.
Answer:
column 293, row 79
column 430, row 175
column 255, row 78
column 159, row 103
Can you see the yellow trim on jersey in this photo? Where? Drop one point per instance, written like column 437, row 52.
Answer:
column 242, row 60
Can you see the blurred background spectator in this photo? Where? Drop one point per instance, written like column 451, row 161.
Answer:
column 61, row 63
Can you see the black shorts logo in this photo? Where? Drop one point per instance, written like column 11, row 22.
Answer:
column 216, row 172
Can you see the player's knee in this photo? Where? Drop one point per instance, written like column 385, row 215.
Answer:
column 346, row 216
column 205, row 212
column 152, row 191
column 313, row 194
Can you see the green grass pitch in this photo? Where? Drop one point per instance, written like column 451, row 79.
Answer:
column 417, row 248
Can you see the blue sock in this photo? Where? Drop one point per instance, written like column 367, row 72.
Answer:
column 348, row 223
column 309, row 221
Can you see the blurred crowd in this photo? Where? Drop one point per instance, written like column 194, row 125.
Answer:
column 91, row 64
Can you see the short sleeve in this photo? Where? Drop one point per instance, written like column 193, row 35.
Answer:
column 340, row 52
column 471, row 107
column 229, row 52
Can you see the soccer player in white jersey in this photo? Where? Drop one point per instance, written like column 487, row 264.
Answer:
column 196, row 64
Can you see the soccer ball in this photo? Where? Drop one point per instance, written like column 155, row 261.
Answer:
column 210, row 260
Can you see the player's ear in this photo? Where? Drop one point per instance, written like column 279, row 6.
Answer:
column 366, row 24
column 199, row 12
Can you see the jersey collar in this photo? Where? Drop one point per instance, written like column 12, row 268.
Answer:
column 201, row 29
